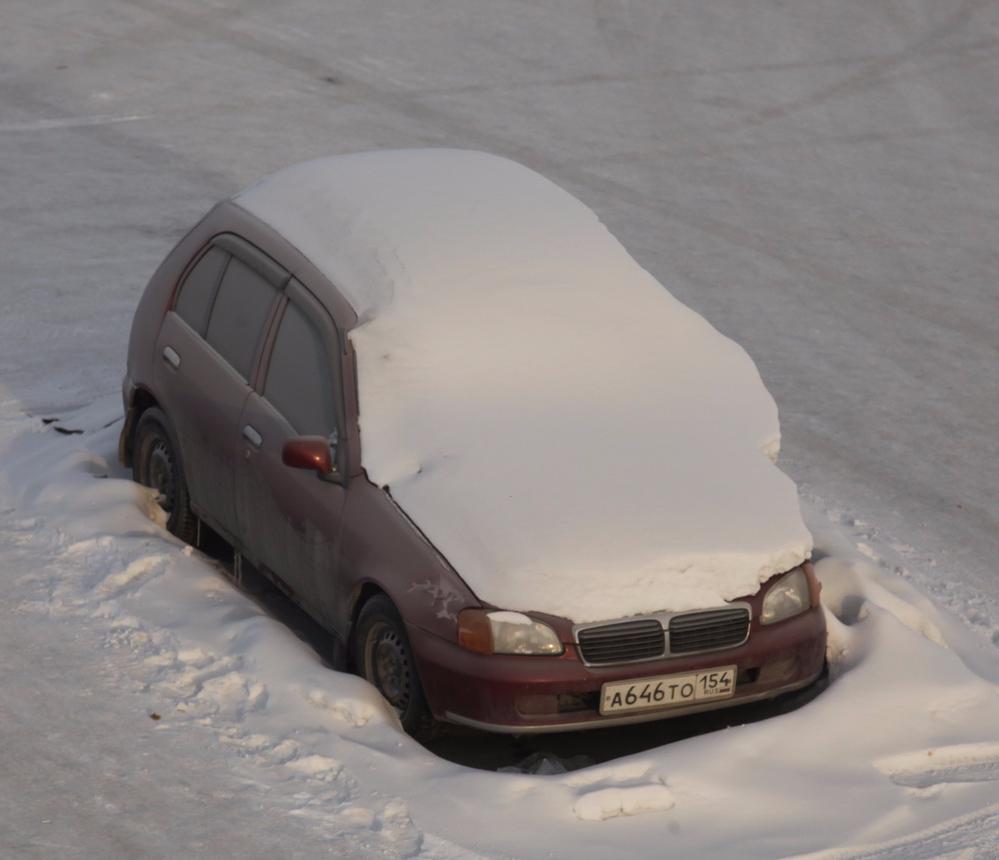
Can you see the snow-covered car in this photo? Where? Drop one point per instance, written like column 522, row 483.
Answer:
column 431, row 396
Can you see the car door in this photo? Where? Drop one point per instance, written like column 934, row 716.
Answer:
column 290, row 518
column 208, row 345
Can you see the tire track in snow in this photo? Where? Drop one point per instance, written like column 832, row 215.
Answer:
column 867, row 78
column 67, row 122
column 970, row 837
column 958, row 763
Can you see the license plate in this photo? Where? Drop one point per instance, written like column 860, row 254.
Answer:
column 667, row 691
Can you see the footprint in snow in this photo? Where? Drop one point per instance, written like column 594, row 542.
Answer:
column 133, row 576
column 604, row 803
column 353, row 711
column 619, row 790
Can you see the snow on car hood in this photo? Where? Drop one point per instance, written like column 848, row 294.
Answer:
column 572, row 438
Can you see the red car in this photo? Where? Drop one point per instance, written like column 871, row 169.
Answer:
column 429, row 395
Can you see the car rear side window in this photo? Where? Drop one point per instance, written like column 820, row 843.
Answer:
column 238, row 315
column 300, row 376
column 196, row 293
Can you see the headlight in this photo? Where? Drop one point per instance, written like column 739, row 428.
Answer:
column 505, row 633
column 787, row 597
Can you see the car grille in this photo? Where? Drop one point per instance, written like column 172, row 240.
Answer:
column 645, row 638
column 623, row 642
column 708, row 630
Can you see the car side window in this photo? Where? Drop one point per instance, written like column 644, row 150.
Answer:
column 300, row 382
column 194, row 301
column 238, row 315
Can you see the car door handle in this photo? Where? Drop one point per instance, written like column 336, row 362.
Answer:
column 251, row 435
column 171, row 357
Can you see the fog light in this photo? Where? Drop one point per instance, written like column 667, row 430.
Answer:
column 571, row 702
column 538, row 705
column 778, row 670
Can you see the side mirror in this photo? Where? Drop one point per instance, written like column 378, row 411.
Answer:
column 308, row 452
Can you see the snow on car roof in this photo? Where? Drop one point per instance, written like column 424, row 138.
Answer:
column 572, row 438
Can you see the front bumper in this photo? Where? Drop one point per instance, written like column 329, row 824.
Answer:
column 523, row 695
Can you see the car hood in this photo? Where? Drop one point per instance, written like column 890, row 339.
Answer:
column 572, row 438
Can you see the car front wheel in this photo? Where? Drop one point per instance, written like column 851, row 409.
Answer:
column 156, row 464
column 384, row 658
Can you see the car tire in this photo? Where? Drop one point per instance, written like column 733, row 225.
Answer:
column 384, row 658
column 157, row 464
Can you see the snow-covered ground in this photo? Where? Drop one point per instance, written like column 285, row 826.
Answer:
column 149, row 688
column 817, row 179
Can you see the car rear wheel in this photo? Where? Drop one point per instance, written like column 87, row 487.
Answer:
column 156, row 464
column 384, row 657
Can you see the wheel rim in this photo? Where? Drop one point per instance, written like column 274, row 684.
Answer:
column 159, row 474
column 387, row 665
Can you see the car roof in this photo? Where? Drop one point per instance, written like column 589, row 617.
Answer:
column 378, row 224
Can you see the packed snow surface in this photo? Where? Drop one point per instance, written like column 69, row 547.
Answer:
column 819, row 179
column 569, row 435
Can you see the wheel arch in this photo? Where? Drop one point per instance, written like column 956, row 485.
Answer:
column 141, row 401
column 183, row 521
column 362, row 594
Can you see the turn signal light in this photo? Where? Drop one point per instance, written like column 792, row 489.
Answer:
column 475, row 633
